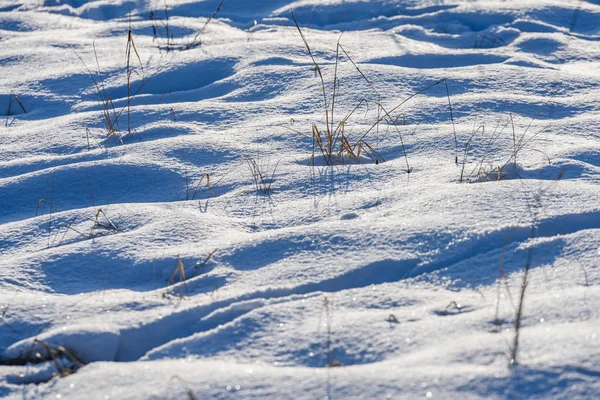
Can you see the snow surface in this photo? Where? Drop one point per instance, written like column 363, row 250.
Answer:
column 399, row 272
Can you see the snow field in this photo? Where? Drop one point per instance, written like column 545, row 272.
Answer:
column 397, row 277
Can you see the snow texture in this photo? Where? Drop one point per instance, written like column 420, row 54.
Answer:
column 170, row 227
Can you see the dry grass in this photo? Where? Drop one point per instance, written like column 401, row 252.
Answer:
column 484, row 168
column 161, row 28
column 130, row 70
column 14, row 99
column 64, row 360
column 262, row 178
column 197, row 41
column 332, row 142
column 101, row 225
column 191, row 190
column 110, row 121
column 179, row 273
column 534, row 209
column 110, row 115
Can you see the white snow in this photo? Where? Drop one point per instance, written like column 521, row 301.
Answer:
column 202, row 250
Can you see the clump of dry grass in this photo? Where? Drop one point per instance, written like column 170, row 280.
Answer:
column 108, row 108
column 332, row 142
column 484, row 169
column 133, row 64
column 162, row 31
column 161, row 28
column 64, row 360
column 102, row 225
column 260, row 175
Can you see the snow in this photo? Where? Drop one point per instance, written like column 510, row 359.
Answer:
column 206, row 252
